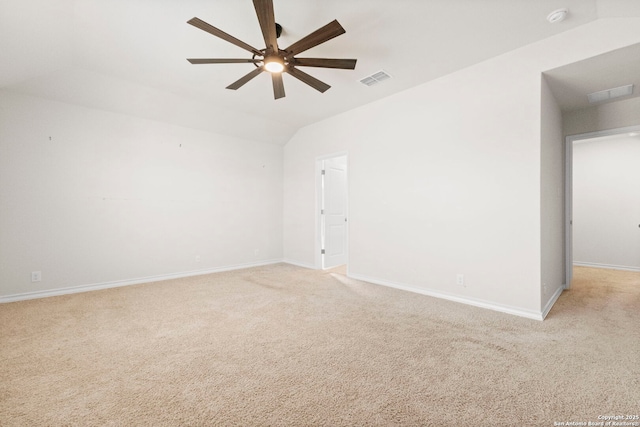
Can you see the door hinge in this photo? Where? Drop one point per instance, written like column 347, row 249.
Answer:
column 322, row 172
column 321, row 211
column 322, row 252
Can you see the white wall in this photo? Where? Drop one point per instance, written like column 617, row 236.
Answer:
column 445, row 178
column 602, row 117
column 551, row 198
column 606, row 206
column 90, row 197
column 435, row 189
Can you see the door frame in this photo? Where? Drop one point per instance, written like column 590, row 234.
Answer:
column 568, row 202
column 319, row 259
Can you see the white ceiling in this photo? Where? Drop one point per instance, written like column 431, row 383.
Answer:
column 128, row 56
column 571, row 84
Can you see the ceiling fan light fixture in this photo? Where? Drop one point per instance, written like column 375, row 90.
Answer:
column 274, row 64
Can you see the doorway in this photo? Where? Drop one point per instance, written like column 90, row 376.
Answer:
column 332, row 210
column 602, row 218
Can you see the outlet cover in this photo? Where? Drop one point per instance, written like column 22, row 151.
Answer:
column 36, row 276
column 460, row 279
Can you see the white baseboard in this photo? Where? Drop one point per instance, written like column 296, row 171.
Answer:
column 128, row 282
column 607, row 266
column 552, row 301
column 530, row 314
column 299, row 264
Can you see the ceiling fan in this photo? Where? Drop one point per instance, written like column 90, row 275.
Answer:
column 273, row 59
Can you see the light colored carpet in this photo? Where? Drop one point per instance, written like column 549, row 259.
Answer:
column 281, row 345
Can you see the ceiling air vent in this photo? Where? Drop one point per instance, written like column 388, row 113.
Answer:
column 605, row 95
column 375, row 78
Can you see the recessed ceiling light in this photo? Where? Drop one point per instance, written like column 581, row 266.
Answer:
column 557, row 15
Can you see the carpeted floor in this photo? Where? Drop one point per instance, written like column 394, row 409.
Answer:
column 285, row 346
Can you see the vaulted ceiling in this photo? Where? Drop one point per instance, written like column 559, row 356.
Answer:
column 129, row 56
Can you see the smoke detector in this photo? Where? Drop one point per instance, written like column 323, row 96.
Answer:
column 557, row 15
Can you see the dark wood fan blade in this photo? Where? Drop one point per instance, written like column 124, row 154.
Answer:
column 264, row 10
column 321, row 35
column 241, row 82
column 345, row 64
column 199, row 23
column 222, row 61
column 278, row 85
column 310, row 80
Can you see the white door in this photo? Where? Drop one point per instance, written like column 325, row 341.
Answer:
column 334, row 212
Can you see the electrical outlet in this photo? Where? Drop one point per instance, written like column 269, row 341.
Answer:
column 36, row 276
column 256, row 252
column 197, row 258
column 460, row 280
